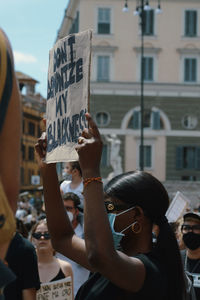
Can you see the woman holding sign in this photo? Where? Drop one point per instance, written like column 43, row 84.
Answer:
column 118, row 230
column 50, row 268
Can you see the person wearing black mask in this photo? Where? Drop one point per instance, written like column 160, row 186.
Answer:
column 191, row 255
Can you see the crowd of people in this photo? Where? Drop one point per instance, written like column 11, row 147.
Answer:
column 113, row 240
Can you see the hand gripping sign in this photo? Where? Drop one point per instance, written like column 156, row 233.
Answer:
column 67, row 95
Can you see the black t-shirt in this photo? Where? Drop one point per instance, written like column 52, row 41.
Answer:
column 22, row 260
column 98, row 287
column 193, row 267
column 6, row 275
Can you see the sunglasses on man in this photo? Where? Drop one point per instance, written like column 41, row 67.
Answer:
column 38, row 235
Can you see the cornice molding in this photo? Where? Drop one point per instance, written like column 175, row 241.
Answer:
column 107, row 48
column 188, row 51
column 150, row 89
column 147, row 50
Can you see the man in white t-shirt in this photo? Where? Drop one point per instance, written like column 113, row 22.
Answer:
column 71, row 203
column 76, row 184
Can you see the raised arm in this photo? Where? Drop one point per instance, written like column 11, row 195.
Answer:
column 63, row 237
column 98, row 237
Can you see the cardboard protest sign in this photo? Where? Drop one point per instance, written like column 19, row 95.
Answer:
column 67, row 95
column 177, row 207
column 59, row 290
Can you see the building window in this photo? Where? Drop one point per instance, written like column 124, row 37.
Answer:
column 147, row 118
column 31, row 128
column 104, row 156
column 30, row 173
column 104, row 18
column 147, row 68
column 190, row 69
column 152, row 120
column 31, row 153
column 188, row 157
column 75, row 24
column 39, row 131
column 23, row 149
column 191, row 23
column 147, row 156
column 188, row 178
column 22, row 175
column 149, row 22
column 103, row 68
column 102, row 119
column 189, row 122
column 23, row 126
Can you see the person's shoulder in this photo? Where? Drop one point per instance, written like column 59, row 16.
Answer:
column 65, row 266
column 20, row 248
column 65, row 183
column 150, row 261
column 64, row 263
column 23, row 244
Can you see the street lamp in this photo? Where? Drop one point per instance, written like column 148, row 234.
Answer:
column 141, row 8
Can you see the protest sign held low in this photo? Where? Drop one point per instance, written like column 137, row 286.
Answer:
column 59, row 290
column 67, row 95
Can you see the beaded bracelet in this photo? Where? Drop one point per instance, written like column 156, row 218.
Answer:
column 86, row 181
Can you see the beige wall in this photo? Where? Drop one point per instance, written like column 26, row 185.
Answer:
column 168, row 37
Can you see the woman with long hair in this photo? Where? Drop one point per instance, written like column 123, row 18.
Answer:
column 118, row 223
column 50, row 268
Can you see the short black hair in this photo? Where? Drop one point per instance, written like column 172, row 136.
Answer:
column 74, row 197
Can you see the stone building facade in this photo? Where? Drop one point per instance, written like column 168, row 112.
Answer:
column 171, row 82
column 33, row 108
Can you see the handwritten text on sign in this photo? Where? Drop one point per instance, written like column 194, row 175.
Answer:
column 67, row 95
column 59, row 290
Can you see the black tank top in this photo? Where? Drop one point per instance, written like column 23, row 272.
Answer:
column 59, row 276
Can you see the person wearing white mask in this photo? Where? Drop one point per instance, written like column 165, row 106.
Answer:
column 75, row 184
column 71, row 203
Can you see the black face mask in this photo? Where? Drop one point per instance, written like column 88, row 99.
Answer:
column 191, row 240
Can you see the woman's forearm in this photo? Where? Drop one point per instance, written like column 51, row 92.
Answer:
column 98, row 236
column 58, row 222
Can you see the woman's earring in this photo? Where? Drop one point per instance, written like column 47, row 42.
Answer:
column 136, row 227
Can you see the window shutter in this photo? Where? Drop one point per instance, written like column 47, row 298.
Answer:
column 197, row 158
column 99, row 71
column 150, row 68
column 147, row 68
column 193, row 69
column 147, row 156
column 106, row 68
column 191, row 155
column 195, row 23
column 191, row 23
column 179, row 157
column 156, row 120
column 104, row 156
column 187, row 23
column 136, row 115
column 186, row 69
column 149, row 22
column 104, row 18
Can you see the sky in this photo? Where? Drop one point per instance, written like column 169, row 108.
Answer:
column 32, row 27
